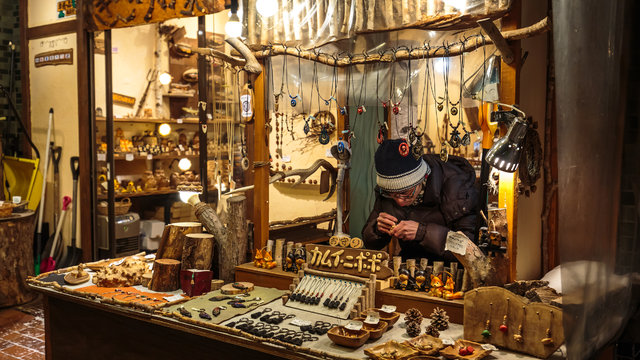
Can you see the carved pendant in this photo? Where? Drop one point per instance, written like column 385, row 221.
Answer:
column 396, row 110
column 454, row 111
column 440, row 107
column 454, row 140
column 343, row 110
column 444, row 154
column 324, row 136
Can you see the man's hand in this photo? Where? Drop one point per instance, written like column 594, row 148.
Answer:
column 386, row 222
column 405, row 230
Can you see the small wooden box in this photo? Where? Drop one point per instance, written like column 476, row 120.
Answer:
column 201, row 281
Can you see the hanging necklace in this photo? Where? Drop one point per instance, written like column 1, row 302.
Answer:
column 343, row 109
column 454, row 139
column 382, row 126
column 396, row 104
column 444, row 154
column 415, row 138
column 298, row 96
column 323, row 138
column 334, row 86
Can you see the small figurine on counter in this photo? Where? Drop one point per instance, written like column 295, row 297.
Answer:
column 448, row 290
column 421, row 281
column 405, row 282
column 267, row 260
column 294, row 260
column 436, row 286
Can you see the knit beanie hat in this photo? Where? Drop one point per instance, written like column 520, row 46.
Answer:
column 396, row 169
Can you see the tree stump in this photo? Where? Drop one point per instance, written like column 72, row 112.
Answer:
column 16, row 252
column 166, row 275
column 197, row 251
column 173, row 239
column 232, row 241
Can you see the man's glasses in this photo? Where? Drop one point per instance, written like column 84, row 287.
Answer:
column 406, row 195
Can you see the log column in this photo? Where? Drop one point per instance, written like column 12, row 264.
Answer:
column 197, row 251
column 16, row 252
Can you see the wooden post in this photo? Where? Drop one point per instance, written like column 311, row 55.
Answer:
column 166, row 275
column 233, row 249
column 423, row 264
column 197, row 251
column 173, row 239
column 397, row 261
column 17, row 259
column 411, row 266
column 261, row 173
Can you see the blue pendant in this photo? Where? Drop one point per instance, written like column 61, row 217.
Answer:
column 340, row 147
column 324, row 136
column 343, row 110
column 306, row 128
column 327, row 102
column 293, row 103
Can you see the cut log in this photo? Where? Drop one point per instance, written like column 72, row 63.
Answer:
column 234, row 252
column 16, row 251
column 483, row 270
column 173, row 239
column 166, row 275
column 197, row 251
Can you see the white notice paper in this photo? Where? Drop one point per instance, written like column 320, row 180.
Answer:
column 447, row 342
column 354, row 325
column 456, row 243
column 489, row 347
column 128, row 156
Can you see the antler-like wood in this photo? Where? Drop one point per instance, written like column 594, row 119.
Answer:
column 305, row 173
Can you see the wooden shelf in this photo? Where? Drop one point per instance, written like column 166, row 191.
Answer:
column 179, row 96
column 150, row 120
column 141, row 194
column 155, row 157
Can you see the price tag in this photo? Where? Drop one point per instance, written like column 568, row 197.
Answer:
column 17, row 199
column 456, row 243
column 173, row 298
column 286, row 158
column 128, row 157
column 181, row 147
column 489, row 347
column 388, row 308
column 298, row 322
column 149, row 156
column 328, row 153
column 116, row 263
column 373, row 318
column 150, row 257
column 102, row 157
column 354, row 325
column 245, row 100
column 447, row 342
column 179, row 121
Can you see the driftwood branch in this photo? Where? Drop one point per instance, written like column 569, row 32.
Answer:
column 467, row 45
column 252, row 65
column 302, row 219
column 305, row 173
column 232, row 60
column 501, row 43
column 483, row 270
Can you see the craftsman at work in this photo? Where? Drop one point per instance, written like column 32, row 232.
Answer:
column 420, row 201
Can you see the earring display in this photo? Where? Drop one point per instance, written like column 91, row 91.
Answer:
column 537, row 326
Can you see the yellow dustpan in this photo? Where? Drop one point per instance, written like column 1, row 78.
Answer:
column 23, row 179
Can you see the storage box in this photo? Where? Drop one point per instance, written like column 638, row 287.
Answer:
column 201, row 281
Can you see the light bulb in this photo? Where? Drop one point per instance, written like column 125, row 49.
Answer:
column 184, row 164
column 164, row 129
column 267, row 8
column 165, row 78
column 233, row 27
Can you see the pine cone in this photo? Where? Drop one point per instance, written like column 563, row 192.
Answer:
column 431, row 330
column 413, row 329
column 439, row 319
column 413, row 315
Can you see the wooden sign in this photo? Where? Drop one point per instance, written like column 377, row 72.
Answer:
column 123, row 99
column 56, row 57
column 359, row 262
column 111, row 14
column 66, row 8
column 513, row 321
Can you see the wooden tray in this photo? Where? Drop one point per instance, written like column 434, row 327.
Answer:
column 425, row 344
column 375, row 331
column 340, row 335
column 391, row 350
column 452, row 351
column 387, row 317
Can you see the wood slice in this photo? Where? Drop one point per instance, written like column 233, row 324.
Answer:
column 197, row 251
column 166, row 275
column 228, row 289
column 173, row 239
column 146, row 279
column 216, row 284
column 16, row 246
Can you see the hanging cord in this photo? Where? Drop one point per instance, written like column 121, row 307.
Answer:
column 425, row 93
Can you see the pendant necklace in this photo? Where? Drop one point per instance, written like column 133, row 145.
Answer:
column 444, row 154
column 343, row 109
column 454, row 140
column 323, row 138
column 382, row 126
column 346, row 300
column 396, row 104
column 417, row 148
column 302, row 287
column 335, row 290
column 349, row 130
column 334, row 85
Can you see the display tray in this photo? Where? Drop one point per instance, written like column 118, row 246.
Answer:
column 267, row 296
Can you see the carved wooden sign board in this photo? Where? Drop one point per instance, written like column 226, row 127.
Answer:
column 359, row 262
column 56, row 57
column 111, row 14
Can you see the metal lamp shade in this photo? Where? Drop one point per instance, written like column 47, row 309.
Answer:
column 504, row 155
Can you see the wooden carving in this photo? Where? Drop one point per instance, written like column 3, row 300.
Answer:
column 110, row 14
column 127, row 273
column 359, row 262
column 513, row 322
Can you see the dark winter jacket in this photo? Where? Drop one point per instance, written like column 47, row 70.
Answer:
column 450, row 202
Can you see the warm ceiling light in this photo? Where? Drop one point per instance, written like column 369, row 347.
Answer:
column 233, row 27
column 184, row 164
column 164, row 129
column 165, row 78
column 267, row 8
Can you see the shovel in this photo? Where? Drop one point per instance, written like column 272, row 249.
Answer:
column 48, row 263
column 39, row 237
column 73, row 254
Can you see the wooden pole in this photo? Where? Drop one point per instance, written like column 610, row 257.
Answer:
column 260, row 174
